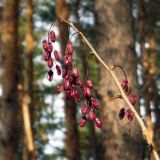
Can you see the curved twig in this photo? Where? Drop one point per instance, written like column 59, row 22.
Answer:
column 112, row 73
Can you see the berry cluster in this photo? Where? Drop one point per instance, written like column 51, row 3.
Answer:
column 89, row 110
column 48, row 50
column 71, row 84
column 132, row 98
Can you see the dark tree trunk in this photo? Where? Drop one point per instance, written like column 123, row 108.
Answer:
column 122, row 139
column 9, row 107
column 72, row 138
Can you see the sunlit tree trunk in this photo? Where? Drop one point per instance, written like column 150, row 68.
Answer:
column 122, row 139
column 72, row 137
column 27, row 103
column 9, row 109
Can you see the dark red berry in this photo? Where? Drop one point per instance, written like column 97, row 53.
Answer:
column 69, row 48
column 79, row 82
column 66, row 84
column 89, row 84
column 98, row 123
column 65, row 61
column 58, row 70
column 75, row 73
column 82, row 122
column 130, row 115
column 44, row 45
column 59, row 88
column 49, row 47
column 84, row 109
column 46, row 56
column 91, row 115
column 94, row 103
column 122, row 113
column 50, row 63
column 133, row 99
column 124, row 84
column 50, row 75
column 52, row 36
column 73, row 93
column 57, row 55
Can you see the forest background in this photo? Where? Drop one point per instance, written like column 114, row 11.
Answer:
column 35, row 121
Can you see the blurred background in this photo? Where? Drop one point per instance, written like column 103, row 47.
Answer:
column 36, row 123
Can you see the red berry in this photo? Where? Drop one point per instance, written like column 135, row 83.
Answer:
column 98, row 123
column 57, row 55
column 94, row 103
column 49, row 47
column 59, row 88
column 66, row 84
column 69, row 59
column 69, row 48
column 79, row 82
column 73, row 92
column 130, row 115
column 46, row 56
column 50, row 75
column 82, row 122
column 89, row 84
column 122, row 113
column 88, row 92
column 133, row 99
column 50, row 63
column 75, row 73
column 44, row 45
column 52, row 36
column 91, row 115
column 124, row 84
column 65, row 61
column 84, row 109
column 58, row 70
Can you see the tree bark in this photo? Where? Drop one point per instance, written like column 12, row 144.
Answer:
column 122, row 139
column 9, row 109
column 72, row 137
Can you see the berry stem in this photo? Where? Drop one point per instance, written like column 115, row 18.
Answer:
column 112, row 73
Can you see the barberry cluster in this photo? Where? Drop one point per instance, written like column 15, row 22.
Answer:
column 132, row 98
column 71, row 84
column 48, row 49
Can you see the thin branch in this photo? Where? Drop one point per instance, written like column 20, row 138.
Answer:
column 112, row 73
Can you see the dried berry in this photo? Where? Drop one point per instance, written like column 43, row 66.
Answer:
column 124, row 84
column 133, row 99
column 58, row 70
column 130, row 115
column 56, row 55
column 59, row 88
column 50, row 75
column 122, row 113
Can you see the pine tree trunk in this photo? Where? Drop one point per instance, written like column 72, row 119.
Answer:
column 122, row 139
column 9, row 109
column 72, row 138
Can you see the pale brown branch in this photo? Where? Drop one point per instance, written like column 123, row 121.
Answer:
column 112, row 73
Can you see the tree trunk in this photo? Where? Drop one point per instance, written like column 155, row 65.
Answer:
column 122, row 139
column 72, row 137
column 9, row 109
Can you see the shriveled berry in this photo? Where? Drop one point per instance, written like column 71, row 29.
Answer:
column 130, row 115
column 124, row 84
column 98, row 123
column 75, row 73
column 50, row 75
column 84, row 109
column 91, row 115
column 69, row 59
column 50, row 63
column 82, row 121
column 69, row 48
column 58, row 70
column 57, row 55
column 52, row 36
column 77, row 96
column 89, row 84
column 133, row 99
column 122, row 113
column 59, row 88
